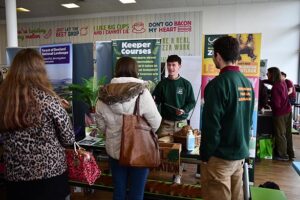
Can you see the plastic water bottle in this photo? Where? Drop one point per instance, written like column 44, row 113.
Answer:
column 190, row 141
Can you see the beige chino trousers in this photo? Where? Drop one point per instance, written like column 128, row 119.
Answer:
column 222, row 179
column 168, row 128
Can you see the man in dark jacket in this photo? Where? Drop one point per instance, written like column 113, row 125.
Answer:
column 227, row 118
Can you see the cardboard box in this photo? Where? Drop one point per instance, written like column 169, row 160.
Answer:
column 170, row 157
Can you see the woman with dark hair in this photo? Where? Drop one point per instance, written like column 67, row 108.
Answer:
column 34, row 127
column 282, row 116
column 116, row 99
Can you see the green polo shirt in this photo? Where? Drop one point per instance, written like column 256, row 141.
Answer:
column 177, row 93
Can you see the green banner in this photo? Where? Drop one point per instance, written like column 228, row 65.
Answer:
column 145, row 51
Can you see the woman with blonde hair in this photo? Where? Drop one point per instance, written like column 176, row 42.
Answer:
column 34, row 128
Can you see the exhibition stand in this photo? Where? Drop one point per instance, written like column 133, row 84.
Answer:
column 86, row 61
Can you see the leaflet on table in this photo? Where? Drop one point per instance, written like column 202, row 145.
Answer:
column 92, row 141
column 91, row 126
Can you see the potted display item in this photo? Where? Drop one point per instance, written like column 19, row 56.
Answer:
column 87, row 92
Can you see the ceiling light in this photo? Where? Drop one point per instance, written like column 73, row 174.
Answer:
column 70, row 5
column 127, row 1
column 22, row 10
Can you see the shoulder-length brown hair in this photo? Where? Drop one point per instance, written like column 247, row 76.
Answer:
column 18, row 106
column 275, row 74
column 126, row 67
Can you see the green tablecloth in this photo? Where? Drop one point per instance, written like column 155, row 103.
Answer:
column 258, row 193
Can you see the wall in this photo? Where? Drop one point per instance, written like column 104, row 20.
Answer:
column 278, row 22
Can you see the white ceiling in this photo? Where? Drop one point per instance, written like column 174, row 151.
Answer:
column 51, row 8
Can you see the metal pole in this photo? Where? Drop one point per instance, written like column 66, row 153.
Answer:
column 11, row 23
column 246, row 182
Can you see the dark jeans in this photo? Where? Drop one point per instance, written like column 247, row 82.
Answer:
column 283, row 136
column 135, row 177
column 55, row 188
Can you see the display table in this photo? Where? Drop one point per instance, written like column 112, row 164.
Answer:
column 264, row 124
column 154, row 189
column 160, row 183
column 191, row 157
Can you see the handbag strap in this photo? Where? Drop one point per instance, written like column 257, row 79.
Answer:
column 137, row 112
column 77, row 148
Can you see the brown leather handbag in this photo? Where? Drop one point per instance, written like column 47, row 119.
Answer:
column 139, row 145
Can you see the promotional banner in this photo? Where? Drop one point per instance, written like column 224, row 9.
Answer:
column 179, row 31
column 59, row 63
column 250, row 47
column 104, row 60
column 145, row 51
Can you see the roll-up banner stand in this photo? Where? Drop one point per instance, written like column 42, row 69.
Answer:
column 83, row 68
column 145, row 51
column 104, row 62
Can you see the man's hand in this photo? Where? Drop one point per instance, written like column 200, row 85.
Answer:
column 179, row 112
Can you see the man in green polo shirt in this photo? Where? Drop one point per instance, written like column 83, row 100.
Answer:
column 176, row 97
column 226, row 121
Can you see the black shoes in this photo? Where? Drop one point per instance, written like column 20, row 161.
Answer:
column 281, row 158
column 292, row 158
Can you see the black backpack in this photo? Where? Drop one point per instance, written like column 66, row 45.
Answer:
column 270, row 185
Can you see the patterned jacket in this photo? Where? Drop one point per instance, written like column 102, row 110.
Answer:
column 37, row 152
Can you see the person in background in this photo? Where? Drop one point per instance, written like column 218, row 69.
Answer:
column 175, row 97
column 282, row 116
column 291, row 88
column 227, row 119
column 112, row 104
column 35, row 128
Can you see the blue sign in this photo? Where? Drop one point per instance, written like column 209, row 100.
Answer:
column 56, row 54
